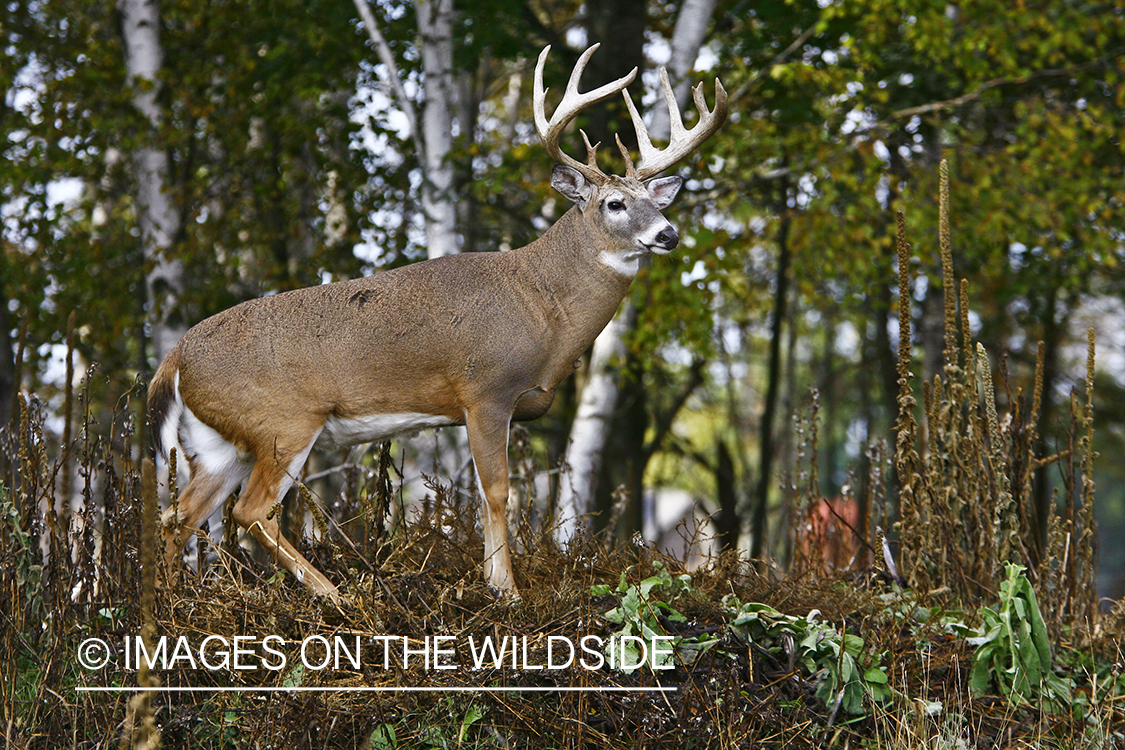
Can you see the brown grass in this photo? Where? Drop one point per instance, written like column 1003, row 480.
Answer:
column 424, row 582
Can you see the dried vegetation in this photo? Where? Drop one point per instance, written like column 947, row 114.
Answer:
column 745, row 676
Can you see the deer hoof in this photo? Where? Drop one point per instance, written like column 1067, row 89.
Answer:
column 506, row 595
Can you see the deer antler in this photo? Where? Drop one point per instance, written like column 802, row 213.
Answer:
column 572, row 103
column 653, row 161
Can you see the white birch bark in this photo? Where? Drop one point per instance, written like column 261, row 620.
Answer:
column 687, row 38
column 589, row 433
column 433, row 132
column 435, row 26
column 157, row 215
column 591, row 424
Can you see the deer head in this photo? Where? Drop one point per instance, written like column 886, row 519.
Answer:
column 627, row 208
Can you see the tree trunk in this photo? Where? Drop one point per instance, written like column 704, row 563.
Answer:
column 634, row 422
column 931, row 331
column 433, row 136
column 157, row 214
column 1054, row 331
column 620, row 26
column 759, row 526
column 589, row 433
column 8, row 384
column 435, row 26
column 472, row 90
column 830, row 451
column 727, row 523
column 884, row 350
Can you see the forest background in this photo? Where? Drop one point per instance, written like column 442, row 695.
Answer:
column 271, row 145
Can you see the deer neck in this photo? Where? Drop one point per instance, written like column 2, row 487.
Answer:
column 577, row 284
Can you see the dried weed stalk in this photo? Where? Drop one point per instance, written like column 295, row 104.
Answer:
column 966, row 473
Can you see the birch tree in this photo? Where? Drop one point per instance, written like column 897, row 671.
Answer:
column 432, row 135
column 599, row 397
column 435, row 27
column 157, row 214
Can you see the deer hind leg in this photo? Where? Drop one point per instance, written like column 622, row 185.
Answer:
column 207, row 488
column 488, row 440
column 216, row 469
column 269, row 481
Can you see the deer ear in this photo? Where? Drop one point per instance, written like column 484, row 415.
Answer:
column 663, row 190
column 571, row 184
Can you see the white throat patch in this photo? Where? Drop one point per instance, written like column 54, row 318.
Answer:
column 625, row 265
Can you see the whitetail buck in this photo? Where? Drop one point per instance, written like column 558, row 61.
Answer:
column 477, row 339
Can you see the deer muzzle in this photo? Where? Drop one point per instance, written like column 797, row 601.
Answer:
column 665, row 241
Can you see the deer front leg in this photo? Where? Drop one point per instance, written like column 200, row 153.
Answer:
column 488, row 440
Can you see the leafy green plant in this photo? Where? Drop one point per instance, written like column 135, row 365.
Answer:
column 1013, row 651
column 383, row 737
column 437, row 736
column 639, row 614
column 29, row 571
column 472, row 715
column 834, row 657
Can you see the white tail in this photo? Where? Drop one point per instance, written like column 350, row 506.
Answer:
column 477, row 339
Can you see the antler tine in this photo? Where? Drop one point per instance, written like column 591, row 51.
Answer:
column 591, row 151
column 550, row 131
column 644, row 144
column 629, row 169
column 653, row 161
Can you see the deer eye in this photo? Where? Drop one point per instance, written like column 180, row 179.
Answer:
column 616, row 206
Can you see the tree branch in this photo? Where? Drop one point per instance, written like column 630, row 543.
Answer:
column 745, row 88
column 977, row 93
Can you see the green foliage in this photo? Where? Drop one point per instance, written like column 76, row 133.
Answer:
column 845, row 675
column 258, row 133
column 385, row 737
column 1013, row 651
column 639, row 614
column 850, row 127
column 836, row 658
column 473, row 714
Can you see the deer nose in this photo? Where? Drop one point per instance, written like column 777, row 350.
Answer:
column 668, row 238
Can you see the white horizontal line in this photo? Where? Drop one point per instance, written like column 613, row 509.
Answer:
column 375, row 689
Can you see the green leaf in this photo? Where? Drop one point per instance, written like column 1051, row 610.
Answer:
column 472, row 715
column 876, row 676
column 980, row 677
column 295, row 677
